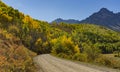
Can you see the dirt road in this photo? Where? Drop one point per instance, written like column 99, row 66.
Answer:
column 48, row 63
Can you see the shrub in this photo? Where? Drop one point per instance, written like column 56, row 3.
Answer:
column 62, row 55
column 13, row 30
column 80, row 57
column 92, row 51
column 64, row 45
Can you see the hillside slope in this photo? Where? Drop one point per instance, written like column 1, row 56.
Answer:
column 105, row 39
column 13, row 55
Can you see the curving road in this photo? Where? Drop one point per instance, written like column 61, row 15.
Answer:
column 48, row 63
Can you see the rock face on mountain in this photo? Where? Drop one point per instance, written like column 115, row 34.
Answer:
column 105, row 18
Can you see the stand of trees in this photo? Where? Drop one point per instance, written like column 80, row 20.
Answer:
column 83, row 42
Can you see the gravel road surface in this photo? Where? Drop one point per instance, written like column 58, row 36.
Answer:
column 48, row 63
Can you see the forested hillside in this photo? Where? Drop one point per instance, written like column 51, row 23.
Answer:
column 83, row 42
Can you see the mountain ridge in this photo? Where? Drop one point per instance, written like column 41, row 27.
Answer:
column 106, row 18
column 70, row 21
column 103, row 17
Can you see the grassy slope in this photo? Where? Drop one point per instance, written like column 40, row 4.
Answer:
column 13, row 55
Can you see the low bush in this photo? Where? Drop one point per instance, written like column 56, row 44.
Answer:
column 80, row 57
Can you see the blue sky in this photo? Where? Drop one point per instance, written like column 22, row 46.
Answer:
column 49, row 10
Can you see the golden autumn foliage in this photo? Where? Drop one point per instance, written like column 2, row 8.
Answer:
column 38, row 42
column 30, row 23
column 64, row 45
column 83, row 42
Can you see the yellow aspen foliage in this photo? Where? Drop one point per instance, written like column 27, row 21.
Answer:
column 67, row 41
column 6, row 17
column 27, row 19
column 34, row 25
column 29, row 22
column 53, row 41
column 45, row 44
column 76, row 49
column 39, row 41
column 63, row 39
column 64, row 45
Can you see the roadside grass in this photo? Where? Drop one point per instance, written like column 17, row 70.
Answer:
column 114, row 62
column 111, row 55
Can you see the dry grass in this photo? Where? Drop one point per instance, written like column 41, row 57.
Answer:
column 111, row 61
